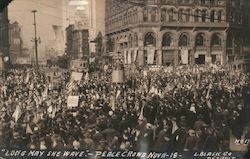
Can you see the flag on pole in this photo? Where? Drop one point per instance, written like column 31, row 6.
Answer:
column 17, row 114
column 28, row 130
column 27, row 78
column 141, row 117
column 118, row 93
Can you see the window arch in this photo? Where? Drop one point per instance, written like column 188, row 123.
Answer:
column 183, row 40
column 145, row 15
column 216, row 40
column 150, row 39
column 163, row 14
column 166, row 40
column 200, row 40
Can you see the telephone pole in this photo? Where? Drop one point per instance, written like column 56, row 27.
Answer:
column 35, row 39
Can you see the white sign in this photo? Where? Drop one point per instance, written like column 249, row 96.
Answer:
column 73, row 101
column 76, row 76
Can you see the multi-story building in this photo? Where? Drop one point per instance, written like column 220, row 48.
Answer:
column 15, row 40
column 96, row 21
column 4, row 32
column 77, row 44
column 174, row 32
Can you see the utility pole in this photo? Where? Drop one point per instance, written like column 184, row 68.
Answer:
column 35, row 39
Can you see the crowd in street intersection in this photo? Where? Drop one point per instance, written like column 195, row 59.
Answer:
column 165, row 110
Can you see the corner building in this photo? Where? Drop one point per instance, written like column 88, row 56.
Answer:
column 174, row 32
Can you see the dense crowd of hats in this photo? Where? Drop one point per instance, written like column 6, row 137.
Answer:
column 179, row 109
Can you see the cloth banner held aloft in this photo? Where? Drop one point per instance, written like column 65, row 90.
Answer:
column 151, row 55
column 184, row 56
column 73, row 101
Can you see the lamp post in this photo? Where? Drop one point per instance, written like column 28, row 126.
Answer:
column 35, row 39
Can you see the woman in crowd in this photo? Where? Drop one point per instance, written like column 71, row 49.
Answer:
column 183, row 109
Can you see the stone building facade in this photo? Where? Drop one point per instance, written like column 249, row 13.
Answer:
column 4, row 39
column 174, row 32
column 4, row 32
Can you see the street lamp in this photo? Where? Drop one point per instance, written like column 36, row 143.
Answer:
column 35, row 39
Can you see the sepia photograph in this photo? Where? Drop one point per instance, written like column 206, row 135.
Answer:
column 125, row 79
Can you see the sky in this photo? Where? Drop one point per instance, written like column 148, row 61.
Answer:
column 49, row 13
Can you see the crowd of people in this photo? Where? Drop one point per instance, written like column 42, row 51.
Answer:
column 166, row 110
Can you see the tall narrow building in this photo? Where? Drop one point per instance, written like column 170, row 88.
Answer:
column 96, row 21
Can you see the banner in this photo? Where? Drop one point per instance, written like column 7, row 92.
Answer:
column 72, row 101
column 184, row 56
column 151, row 55
column 76, row 76
column 125, row 57
column 117, row 76
column 129, row 57
column 135, row 56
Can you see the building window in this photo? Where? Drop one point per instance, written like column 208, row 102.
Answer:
column 136, row 40
column 199, row 41
column 216, row 40
column 171, row 15
column 229, row 41
column 180, row 13
column 183, row 40
column 153, row 15
column 188, row 12
column 166, row 40
column 150, row 39
column 196, row 16
column 212, row 16
column 145, row 15
column 219, row 15
column 237, row 41
column 212, row 2
column 163, row 15
column 203, row 16
column 203, row 2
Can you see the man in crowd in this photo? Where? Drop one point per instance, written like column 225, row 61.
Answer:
column 180, row 109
